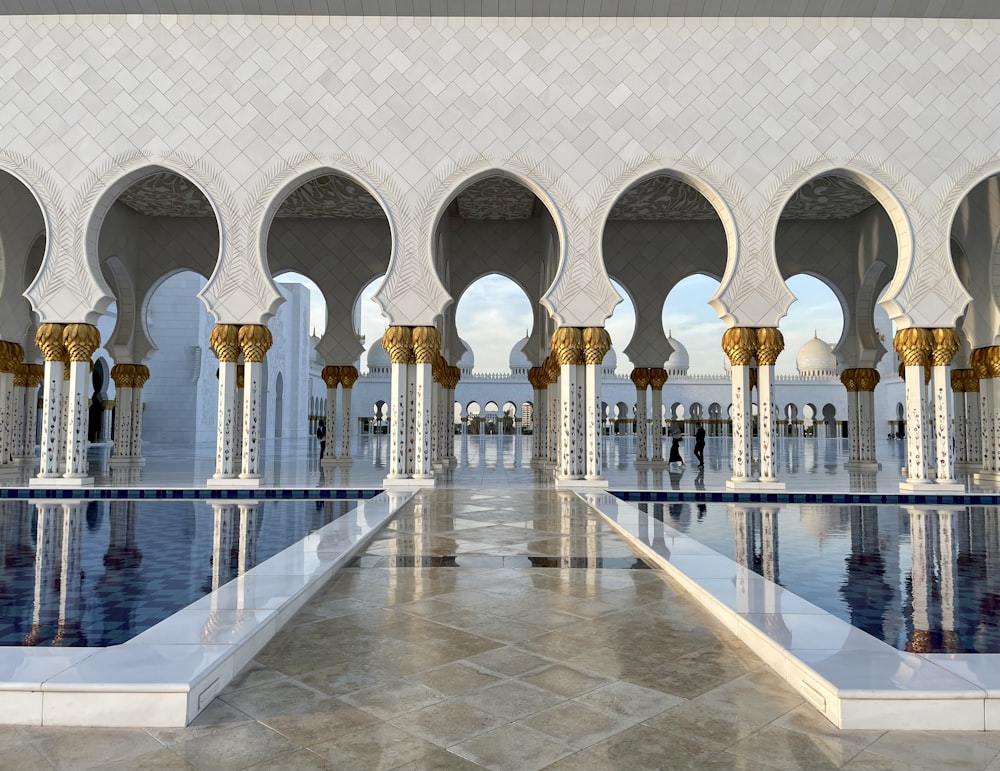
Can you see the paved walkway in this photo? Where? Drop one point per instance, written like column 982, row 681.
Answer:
column 503, row 630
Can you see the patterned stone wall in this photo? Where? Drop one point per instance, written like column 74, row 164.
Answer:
column 743, row 110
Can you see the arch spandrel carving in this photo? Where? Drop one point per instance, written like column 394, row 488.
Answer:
column 59, row 291
column 100, row 193
column 280, row 182
column 721, row 191
column 962, row 186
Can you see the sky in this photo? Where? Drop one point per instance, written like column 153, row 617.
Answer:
column 494, row 314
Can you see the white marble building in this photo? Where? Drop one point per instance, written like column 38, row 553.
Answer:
column 558, row 149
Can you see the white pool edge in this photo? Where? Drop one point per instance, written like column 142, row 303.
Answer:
column 166, row 675
column 855, row 680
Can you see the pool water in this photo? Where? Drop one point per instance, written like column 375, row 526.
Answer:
column 923, row 579
column 97, row 573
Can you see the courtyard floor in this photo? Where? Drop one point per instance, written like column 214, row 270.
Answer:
column 498, row 623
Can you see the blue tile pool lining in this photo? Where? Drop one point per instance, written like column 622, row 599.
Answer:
column 188, row 493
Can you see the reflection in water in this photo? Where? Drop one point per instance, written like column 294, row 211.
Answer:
column 96, row 573
column 922, row 578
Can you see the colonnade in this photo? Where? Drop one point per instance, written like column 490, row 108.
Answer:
column 19, row 383
column 644, row 378
column 860, row 383
column 129, row 380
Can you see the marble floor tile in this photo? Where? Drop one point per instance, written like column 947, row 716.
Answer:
column 513, row 748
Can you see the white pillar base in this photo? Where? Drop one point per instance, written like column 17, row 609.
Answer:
column 863, row 465
column 407, row 483
column 926, row 486
column 241, row 482
column 986, row 476
column 753, row 484
column 126, row 461
column 61, row 481
column 590, row 484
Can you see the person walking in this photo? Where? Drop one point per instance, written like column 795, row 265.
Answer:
column 321, row 435
column 699, row 445
column 675, row 451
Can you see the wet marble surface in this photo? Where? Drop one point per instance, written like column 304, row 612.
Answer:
column 561, row 666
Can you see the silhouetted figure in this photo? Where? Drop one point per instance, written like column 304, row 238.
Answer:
column 675, row 451
column 321, row 435
column 699, row 444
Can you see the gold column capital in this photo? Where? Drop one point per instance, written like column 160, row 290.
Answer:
column 11, row 356
column 398, row 343
column 849, row 377
column 567, row 345
column 945, row 344
column 640, row 376
column 348, row 375
column 977, row 362
column 971, row 382
column 331, row 375
column 657, row 378
column 123, row 375
column 224, row 341
column 255, row 342
column 454, row 377
column 21, row 376
column 536, row 378
column 35, row 375
column 914, row 346
column 958, row 380
column 140, row 376
column 596, row 344
column 770, row 343
column 867, row 378
column 81, row 340
column 740, row 345
column 426, row 345
column 49, row 339
column 991, row 358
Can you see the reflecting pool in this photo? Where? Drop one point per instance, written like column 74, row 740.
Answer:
column 98, row 572
column 925, row 579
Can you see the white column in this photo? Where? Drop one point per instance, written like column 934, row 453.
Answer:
column 123, row 415
column 567, row 347
column 397, row 342
column 640, row 377
column 106, row 414
column 35, row 376
column 974, row 429
column 657, row 378
column 10, row 359
column 51, row 443
column 426, row 350
column 740, row 345
column 592, row 389
column 224, row 341
column 135, row 439
column 853, row 422
column 866, row 424
column 251, row 430
column 346, row 419
column 255, row 341
column 81, row 340
column 553, row 419
column 17, row 450
column 331, row 376
column 770, row 344
column 945, row 345
column 914, row 347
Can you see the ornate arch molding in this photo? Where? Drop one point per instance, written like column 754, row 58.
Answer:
column 119, row 345
column 268, row 196
column 965, row 182
column 721, row 192
column 91, row 208
column 58, row 228
column 396, row 296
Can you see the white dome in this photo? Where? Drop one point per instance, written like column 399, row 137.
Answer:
column 816, row 357
column 679, row 363
column 610, row 359
column 518, row 358
column 377, row 357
